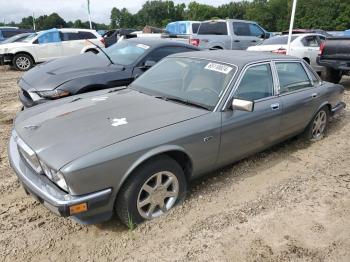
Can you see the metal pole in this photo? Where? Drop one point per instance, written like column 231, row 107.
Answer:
column 291, row 25
column 33, row 21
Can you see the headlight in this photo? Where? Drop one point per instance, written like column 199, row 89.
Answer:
column 53, row 94
column 29, row 155
column 54, row 176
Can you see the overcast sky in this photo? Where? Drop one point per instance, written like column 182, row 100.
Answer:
column 14, row 10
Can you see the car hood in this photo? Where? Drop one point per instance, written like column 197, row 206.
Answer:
column 267, row 48
column 10, row 46
column 62, row 131
column 50, row 75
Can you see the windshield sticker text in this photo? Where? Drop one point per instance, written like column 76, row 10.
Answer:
column 218, row 68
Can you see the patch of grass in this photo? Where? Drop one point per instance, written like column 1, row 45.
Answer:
column 131, row 225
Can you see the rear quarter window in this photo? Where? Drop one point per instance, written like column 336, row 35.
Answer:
column 195, row 27
column 292, row 77
column 213, row 28
column 86, row 35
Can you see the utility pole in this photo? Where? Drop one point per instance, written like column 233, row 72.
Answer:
column 33, row 22
column 88, row 6
column 291, row 25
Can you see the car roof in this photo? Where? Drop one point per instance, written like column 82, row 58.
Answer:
column 235, row 57
column 158, row 42
column 76, row 29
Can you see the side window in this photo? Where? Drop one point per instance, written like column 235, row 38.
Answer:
column 162, row 52
column 195, row 28
column 314, row 79
column 256, row 83
column 241, row 29
column 70, row 36
column 49, row 37
column 321, row 39
column 86, row 35
column 213, row 28
column 310, row 41
column 292, row 77
column 255, row 30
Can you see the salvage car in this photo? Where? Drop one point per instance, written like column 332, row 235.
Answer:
column 305, row 46
column 47, row 45
column 133, row 150
column 115, row 66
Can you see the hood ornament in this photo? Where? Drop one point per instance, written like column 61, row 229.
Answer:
column 118, row 121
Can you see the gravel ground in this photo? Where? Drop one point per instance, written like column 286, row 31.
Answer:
column 289, row 203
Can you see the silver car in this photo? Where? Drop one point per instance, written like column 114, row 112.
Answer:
column 133, row 150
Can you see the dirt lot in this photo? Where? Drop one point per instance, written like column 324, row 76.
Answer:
column 289, row 203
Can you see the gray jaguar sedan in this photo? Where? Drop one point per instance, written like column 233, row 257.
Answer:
column 133, row 150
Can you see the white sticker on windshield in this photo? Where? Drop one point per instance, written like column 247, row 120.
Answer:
column 218, row 68
column 142, row 46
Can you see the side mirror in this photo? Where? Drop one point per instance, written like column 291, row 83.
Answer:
column 149, row 63
column 242, row 105
column 266, row 35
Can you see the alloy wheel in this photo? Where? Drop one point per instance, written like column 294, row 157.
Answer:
column 23, row 62
column 319, row 124
column 158, row 194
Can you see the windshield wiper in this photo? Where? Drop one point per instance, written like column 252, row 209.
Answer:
column 183, row 101
column 101, row 50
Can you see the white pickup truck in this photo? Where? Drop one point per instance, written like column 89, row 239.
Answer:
column 228, row 34
column 48, row 45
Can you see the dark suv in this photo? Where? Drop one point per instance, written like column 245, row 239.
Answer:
column 6, row 32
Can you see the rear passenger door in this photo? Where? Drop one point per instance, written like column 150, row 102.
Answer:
column 298, row 95
column 73, row 42
column 246, row 34
column 243, row 132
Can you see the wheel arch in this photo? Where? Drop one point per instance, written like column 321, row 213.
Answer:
column 25, row 53
column 90, row 88
column 177, row 153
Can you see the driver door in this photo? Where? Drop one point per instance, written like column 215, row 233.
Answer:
column 244, row 133
column 48, row 46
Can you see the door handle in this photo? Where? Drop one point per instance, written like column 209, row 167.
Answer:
column 236, row 41
column 314, row 95
column 275, row 106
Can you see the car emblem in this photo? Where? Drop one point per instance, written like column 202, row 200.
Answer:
column 31, row 127
column 119, row 121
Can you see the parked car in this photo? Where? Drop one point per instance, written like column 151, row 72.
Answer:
column 16, row 38
column 228, row 34
column 133, row 151
column 183, row 27
column 48, row 45
column 304, row 46
column 335, row 57
column 308, row 31
column 118, row 65
column 7, row 32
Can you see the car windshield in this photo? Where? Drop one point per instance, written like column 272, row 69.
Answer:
column 125, row 52
column 196, row 82
column 278, row 40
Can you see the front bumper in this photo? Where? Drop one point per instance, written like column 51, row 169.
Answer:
column 338, row 108
column 46, row 192
column 5, row 59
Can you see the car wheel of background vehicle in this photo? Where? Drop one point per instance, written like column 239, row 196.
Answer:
column 331, row 75
column 317, row 127
column 153, row 189
column 22, row 62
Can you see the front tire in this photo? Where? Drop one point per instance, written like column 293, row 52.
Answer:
column 151, row 191
column 22, row 62
column 318, row 125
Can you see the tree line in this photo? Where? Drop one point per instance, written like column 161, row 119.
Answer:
column 273, row 15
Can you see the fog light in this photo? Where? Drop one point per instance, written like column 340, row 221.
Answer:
column 75, row 209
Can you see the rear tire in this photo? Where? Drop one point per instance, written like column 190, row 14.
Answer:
column 22, row 62
column 318, row 125
column 153, row 189
column 331, row 75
